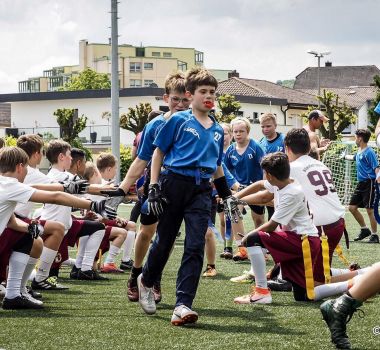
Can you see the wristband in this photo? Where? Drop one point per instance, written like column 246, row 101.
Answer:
column 222, row 187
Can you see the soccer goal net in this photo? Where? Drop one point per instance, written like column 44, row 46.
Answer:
column 344, row 171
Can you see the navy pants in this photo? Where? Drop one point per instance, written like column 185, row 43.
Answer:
column 192, row 203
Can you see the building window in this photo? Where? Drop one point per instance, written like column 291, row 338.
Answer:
column 167, row 54
column 148, row 65
column 156, row 54
column 182, row 66
column 140, row 51
column 135, row 83
column 147, row 83
column 55, row 82
column 198, row 57
column 135, row 67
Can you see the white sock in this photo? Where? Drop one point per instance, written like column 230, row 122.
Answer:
column 374, row 233
column 46, row 260
column 28, row 271
column 258, row 265
column 328, row 290
column 17, row 264
column 112, row 253
column 32, row 275
column 338, row 272
column 128, row 245
column 69, row 262
column 238, row 242
column 82, row 247
column 91, row 249
column 363, row 270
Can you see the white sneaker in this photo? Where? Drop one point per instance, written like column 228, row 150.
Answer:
column 2, row 291
column 183, row 315
column 246, row 277
column 146, row 297
column 26, row 295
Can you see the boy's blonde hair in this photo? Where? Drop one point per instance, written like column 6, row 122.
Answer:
column 89, row 171
column 268, row 117
column 198, row 76
column 228, row 126
column 175, row 82
column 10, row 157
column 30, row 143
column 55, row 148
column 105, row 160
column 241, row 120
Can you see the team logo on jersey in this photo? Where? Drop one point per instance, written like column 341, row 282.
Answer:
column 217, row 136
column 58, row 258
column 233, row 157
column 250, row 156
column 193, row 131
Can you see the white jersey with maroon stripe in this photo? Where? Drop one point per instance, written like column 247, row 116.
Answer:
column 317, row 184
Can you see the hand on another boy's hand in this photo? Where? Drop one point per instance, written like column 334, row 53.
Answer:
column 156, row 200
column 231, row 209
column 35, row 229
column 76, row 186
column 106, row 208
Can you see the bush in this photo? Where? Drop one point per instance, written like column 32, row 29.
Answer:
column 125, row 160
column 10, row 141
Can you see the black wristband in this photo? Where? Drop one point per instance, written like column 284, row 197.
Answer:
column 222, row 187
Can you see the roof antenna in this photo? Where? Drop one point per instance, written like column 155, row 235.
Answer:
column 270, row 106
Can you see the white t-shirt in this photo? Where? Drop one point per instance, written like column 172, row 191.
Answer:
column 317, row 184
column 11, row 193
column 34, row 176
column 56, row 212
column 291, row 210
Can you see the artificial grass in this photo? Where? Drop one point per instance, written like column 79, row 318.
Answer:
column 98, row 315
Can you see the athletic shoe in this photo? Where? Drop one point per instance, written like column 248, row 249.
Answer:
column 337, row 313
column 227, row 253
column 132, row 290
column 157, row 292
column 33, row 293
column 246, row 277
column 126, row 265
column 374, row 238
column 280, row 285
column 91, row 275
column 258, row 296
column 146, row 297
column 209, row 272
column 49, row 283
column 183, row 315
column 2, row 291
column 110, row 268
column 30, row 298
column 20, row 302
column 364, row 233
column 241, row 254
column 74, row 273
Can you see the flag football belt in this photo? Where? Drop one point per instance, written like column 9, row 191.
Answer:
column 325, row 257
column 308, row 264
column 339, row 251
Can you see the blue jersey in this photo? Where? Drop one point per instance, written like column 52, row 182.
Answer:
column 366, row 163
column 245, row 167
column 146, row 147
column 275, row 145
column 189, row 148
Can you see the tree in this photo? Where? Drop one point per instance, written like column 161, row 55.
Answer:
column 87, row 80
column 228, row 108
column 136, row 118
column 286, row 83
column 70, row 127
column 373, row 116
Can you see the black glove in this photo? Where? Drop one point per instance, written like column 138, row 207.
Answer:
column 105, row 208
column 156, row 201
column 75, row 186
column 231, row 208
column 35, row 229
column 117, row 192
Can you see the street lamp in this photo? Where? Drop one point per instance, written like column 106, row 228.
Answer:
column 319, row 55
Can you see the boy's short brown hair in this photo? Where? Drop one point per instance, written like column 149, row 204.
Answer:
column 31, row 143
column 175, row 82
column 365, row 134
column 277, row 164
column 268, row 117
column 198, row 76
column 10, row 157
column 105, row 160
column 89, row 171
column 55, row 148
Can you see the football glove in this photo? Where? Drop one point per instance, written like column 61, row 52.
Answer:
column 106, row 208
column 231, row 208
column 156, row 200
column 75, row 186
column 35, row 229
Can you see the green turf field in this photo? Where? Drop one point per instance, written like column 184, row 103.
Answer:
column 99, row 316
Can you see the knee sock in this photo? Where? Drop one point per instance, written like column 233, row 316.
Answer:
column 28, row 271
column 338, row 272
column 328, row 290
column 91, row 249
column 81, row 248
column 46, row 260
column 17, row 264
column 112, row 253
column 258, row 265
column 128, row 246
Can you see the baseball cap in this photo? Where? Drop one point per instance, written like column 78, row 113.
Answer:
column 316, row 113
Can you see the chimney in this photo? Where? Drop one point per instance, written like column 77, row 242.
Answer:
column 328, row 64
column 232, row 74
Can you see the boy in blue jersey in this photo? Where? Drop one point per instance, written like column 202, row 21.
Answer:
column 243, row 159
column 177, row 101
column 367, row 171
column 190, row 147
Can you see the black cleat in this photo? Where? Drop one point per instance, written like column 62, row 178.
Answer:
column 91, row 275
column 74, row 273
column 126, row 265
column 374, row 238
column 20, row 302
column 280, row 285
column 364, row 233
column 33, row 293
column 49, row 283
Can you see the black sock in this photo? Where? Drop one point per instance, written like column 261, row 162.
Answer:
column 136, row 271
column 211, row 265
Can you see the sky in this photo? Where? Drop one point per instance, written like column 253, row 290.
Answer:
column 261, row 39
